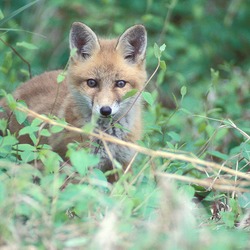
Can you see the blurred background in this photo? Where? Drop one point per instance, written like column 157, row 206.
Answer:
column 207, row 58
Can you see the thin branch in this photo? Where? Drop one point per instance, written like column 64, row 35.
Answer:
column 233, row 125
column 204, row 183
column 19, row 55
column 167, row 20
column 138, row 95
column 140, row 149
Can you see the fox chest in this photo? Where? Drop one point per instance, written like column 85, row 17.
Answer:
column 109, row 152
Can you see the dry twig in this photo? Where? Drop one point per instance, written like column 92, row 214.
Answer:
column 153, row 153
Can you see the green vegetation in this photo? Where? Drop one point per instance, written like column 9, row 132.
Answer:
column 191, row 189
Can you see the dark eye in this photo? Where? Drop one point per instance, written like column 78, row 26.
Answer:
column 92, row 83
column 120, row 84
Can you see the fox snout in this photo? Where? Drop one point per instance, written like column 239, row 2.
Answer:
column 106, row 110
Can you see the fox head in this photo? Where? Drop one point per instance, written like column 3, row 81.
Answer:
column 102, row 71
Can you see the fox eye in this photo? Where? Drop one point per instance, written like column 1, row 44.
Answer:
column 120, row 84
column 92, row 83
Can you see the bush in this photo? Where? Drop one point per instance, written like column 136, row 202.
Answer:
column 190, row 183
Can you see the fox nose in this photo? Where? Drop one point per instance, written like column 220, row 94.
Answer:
column 105, row 110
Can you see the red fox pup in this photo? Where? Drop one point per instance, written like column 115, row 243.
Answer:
column 100, row 73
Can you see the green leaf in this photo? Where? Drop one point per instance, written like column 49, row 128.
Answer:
column 174, row 136
column 26, row 45
column 1, row 14
column 117, row 164
column 28, row 156
column 162, row 47
column 218, row 154
column 56, row 129
column 26, row 147
column 60, row 78
column 31, row 131
column 73, row 51
column 188, row 191
column 175, row 100
column 82, row 160
column 153, row 127
column 170, row 145
column 36, row 122
column 7, row 62
column 213, row 197
column 183, row 91
column 11, row 101
column 28, row 130
column 228, row 218
column 163, row 65
column 45, row 132
column 2, row 93
column 27, row 152
column 160, row 77
column 129, row 94
column 9, row 140
column 16, row 12
column 245, row 148
column 3, row 124
column 215, row 75
column 97, row 175
column 20, row 116
column 234, row 206
column 148, row 98
column 50, row 159
column 157, row 51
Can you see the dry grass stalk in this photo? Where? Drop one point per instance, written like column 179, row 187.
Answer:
column 228, row 187
column 152, row 153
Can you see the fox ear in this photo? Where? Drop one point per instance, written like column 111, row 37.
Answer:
column 133, row 43
column 83, row 39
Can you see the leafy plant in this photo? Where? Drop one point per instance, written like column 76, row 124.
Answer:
column 189, row 188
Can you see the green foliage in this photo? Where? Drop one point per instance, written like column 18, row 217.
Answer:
column 196, row 105
column 131, row 93
column 148, row 98
column 81, row 161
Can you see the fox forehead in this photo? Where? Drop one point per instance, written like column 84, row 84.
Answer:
column 108, row 65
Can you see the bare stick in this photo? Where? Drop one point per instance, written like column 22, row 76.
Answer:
column 204, row 183
column 19, row 55
column 143, row 150
column 138, row 95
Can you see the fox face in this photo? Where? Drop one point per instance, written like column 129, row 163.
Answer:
column 101, row 71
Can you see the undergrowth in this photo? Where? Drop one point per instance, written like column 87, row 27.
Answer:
column 189, row 188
